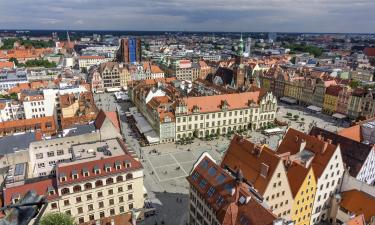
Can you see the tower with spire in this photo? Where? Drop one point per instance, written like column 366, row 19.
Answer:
column 239, row 70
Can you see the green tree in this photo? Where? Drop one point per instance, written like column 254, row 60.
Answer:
column 296, row 117
column 57, row 218
column 289, row 114
column 14, row 60
column 354, row 84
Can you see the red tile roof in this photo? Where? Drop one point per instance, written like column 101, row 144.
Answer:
column 245, row 155
column 112, row 116
column 322, row 150
column 7, row 65
column 91, row 57
column 25, row 124
column 39, row 186
column 227, row 196
column 79, row 167
column 359, row 202
column 213, row 103
column 358, row 220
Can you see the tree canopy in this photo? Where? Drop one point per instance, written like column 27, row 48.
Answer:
column 57, row 218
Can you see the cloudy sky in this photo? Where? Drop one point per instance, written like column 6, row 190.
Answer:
column 191, row 15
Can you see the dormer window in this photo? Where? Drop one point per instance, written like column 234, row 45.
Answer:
column 85, row 172
column 75, row 174
column 224, row 105
column 51, row 190
column 118, row 165
column 96, row 170
column 62, row 177
column 15, row 198
column 128, row 164
column 107, row 167
column 195, row 109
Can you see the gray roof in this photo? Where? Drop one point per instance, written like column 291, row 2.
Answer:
column 80, row 129
column 11, row 144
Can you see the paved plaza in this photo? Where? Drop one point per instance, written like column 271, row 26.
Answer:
column 166, row 166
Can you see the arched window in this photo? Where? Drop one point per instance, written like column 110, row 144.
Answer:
column 98, row 183
column 77, row 188
column 88, row 186
column 129, row 176
column 65, row 191
column 119, row 179
column 109, row 181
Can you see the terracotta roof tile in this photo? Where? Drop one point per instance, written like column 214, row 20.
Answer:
column 213, row 103
column 112, row 116
column 358, row 220
column 322, row 150
column 359, row 202
column 225, row 198
column 39, row 186
column 245, row 155
column 354, row 153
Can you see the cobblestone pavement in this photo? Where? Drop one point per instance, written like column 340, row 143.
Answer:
column 167, row 165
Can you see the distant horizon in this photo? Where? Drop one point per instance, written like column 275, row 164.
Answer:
column 183, row 31
column 282, row 16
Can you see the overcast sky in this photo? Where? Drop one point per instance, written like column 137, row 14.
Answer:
column 191, row 15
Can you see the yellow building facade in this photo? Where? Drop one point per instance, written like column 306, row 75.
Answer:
column 330, row 103
column 303, row 195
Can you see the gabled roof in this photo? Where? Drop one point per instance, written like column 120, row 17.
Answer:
column 112, row 116
column 322, row 150
column 231, row 200
column 245, row 155
column 296, row 174
column 359, row 202
column 354, row 153
column 40, row 186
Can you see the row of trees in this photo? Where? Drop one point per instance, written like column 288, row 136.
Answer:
column 8, row 43
column 295, row 117
column 316, row 51
column 34, row 63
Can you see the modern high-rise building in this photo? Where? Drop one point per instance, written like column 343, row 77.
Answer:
column 130, row 50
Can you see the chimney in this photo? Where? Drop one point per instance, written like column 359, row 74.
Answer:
column 264, row 170
column 324, row 148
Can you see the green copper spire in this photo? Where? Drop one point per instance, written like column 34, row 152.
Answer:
column 240, row 47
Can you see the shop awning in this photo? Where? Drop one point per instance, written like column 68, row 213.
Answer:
column 315, row 108
column 339, row 116
column 288, row 100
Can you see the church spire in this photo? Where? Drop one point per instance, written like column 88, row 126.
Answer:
column 240, row 47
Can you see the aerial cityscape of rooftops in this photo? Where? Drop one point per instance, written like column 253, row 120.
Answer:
column 186, row 128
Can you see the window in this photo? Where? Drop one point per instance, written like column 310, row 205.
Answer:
column 51, row 154
column 130, row 197
column 65, row 191
column 101, row 214
column 119, row 179
column 100, row 194
column 88, row 186
column 98, row 183
column 78, row 199
column 91, row 217
column 110, row 192
column 80, row 210
column 39, row 155
column 121, row 199
column 130, row 206
column 122, row 209
column 54, row 206
column 81, row 220
column 119, row 189
column 66, row 202
column 130, row 187
column 60, row 152
column 111, row 201
column 112, row 212
column 90, row 207
column 101, row 204
column 89, row 197
column 68, row 212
